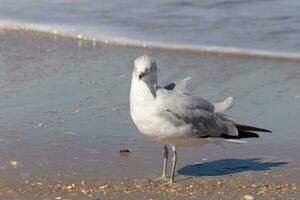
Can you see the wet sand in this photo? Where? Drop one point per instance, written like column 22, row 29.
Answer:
column 64, row 117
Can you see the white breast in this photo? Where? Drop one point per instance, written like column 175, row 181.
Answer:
column 147, row 117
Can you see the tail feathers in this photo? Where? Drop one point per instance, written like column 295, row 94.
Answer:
column 246, row 128
column 224, row 105
column 244, row 131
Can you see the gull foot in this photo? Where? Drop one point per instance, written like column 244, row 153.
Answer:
column 160, row 179
column 170, row 182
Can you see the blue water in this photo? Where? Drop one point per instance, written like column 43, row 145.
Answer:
column 271, row 26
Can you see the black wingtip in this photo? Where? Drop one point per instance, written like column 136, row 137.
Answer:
column 261, row 130
column 242, row 127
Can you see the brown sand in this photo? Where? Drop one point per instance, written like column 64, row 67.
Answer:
column 126, row 188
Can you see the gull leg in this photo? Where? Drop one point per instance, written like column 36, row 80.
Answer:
column 174, row 159
column 164, row 175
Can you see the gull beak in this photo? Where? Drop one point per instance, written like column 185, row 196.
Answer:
column 142, row 75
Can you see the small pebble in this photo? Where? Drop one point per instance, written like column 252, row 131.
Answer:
column 248, row 197
column 12, row 130
column 124, row 151
column 114, row 109
column 103, row 187
column 13, row 163
column 40, row 125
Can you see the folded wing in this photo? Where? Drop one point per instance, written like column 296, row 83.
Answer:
column 201, row 115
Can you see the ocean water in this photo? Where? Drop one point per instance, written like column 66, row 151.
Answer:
column 267, row 27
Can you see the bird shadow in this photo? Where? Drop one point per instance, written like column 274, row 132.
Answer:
column 228, row 166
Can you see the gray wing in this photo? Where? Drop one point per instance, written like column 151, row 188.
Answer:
column 184, row 109
column 180, row 93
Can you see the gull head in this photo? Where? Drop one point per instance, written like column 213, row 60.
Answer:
column 145, row 69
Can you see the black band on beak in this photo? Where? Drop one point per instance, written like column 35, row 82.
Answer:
column 141, row 75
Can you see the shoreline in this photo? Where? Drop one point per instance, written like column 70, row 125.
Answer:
column 177, row 48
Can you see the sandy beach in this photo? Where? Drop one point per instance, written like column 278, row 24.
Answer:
column 65, row 117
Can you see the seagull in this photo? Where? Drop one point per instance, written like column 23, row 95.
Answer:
column 171, row 115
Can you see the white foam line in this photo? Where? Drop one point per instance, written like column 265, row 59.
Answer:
column 121, row 41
